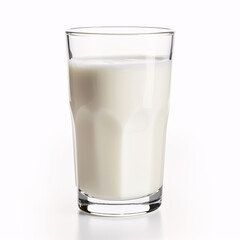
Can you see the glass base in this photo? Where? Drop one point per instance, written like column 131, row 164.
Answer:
column 137, row 206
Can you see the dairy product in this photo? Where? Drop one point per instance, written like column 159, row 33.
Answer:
column 119, row 111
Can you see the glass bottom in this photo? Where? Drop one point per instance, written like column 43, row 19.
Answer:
column 137, row 206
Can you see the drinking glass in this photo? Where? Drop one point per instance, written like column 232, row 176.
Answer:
column 119, row 81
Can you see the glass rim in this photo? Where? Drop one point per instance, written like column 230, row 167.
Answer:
column 119, row 30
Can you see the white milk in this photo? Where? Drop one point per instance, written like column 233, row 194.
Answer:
column 120, row 110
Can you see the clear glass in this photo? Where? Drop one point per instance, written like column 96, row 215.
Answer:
column 119, row 96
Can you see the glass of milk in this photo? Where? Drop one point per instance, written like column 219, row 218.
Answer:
column 119, row 80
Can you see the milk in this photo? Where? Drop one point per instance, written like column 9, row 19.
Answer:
column 119, row 110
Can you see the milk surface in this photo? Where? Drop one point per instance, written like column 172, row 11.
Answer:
column 119, row 111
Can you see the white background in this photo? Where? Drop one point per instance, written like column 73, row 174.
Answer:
column 201, row 197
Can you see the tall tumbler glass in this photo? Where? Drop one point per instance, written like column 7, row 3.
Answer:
column 119, row 97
